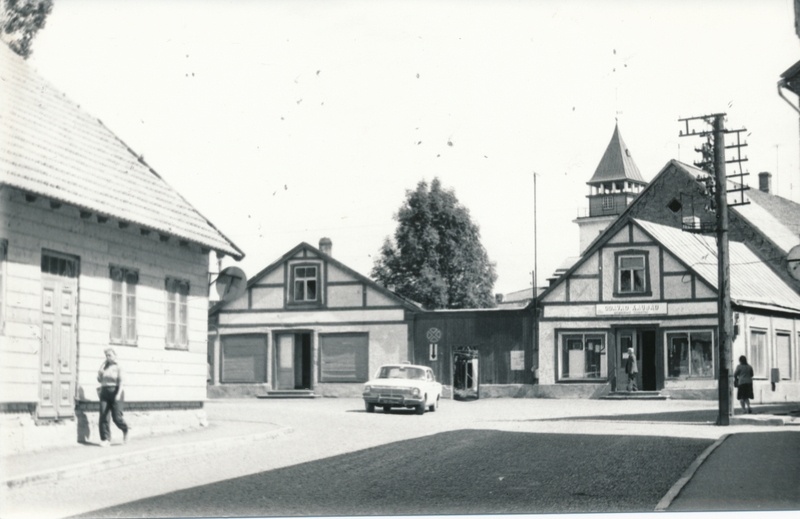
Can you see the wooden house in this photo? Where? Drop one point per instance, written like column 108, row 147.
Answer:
column 306, row 325
column 97, row 250
column 500, row 340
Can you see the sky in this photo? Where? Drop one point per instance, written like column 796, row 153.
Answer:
column 288, row 121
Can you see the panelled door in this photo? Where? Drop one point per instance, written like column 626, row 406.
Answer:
column 285, row 361
column 58, row 350
column 293, row 362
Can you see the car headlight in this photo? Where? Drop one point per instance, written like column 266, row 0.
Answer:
column 367, row 389
column 416, row 391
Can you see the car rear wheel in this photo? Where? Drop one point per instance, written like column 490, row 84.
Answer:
column 434, row 406
column 387, row 408
column 369, row 407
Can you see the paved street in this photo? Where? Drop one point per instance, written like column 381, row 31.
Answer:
column 491, row 455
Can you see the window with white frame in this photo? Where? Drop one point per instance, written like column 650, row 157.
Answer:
column 758, row 352
column 123, row 305
column 305, row 284
column 177, row 313
column 608, row 203
column 783, row 351
column 690, row 354
column 582, row 356
column 631, row 274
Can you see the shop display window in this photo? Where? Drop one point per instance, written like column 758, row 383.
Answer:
column 690, row 354
column 583, row 356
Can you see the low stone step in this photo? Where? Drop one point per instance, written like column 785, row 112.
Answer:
column 634, row 395
column 296, row 393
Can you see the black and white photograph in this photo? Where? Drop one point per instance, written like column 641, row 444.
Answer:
column 400, row 258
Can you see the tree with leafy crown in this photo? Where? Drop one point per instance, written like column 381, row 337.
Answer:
column 436, row 258
column 20, row 20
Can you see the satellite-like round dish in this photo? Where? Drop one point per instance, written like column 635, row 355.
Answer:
column 231, row 283
column 793, row 262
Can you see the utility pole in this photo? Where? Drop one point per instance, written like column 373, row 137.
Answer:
column 723, row 276
column 714, row 161
column 535, row 245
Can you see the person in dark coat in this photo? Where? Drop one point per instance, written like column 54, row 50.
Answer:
column 743, row 380
column 632, row 370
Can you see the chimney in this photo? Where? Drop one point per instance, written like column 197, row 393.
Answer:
column 326, row 246
column 765, row 181
column 498, row 298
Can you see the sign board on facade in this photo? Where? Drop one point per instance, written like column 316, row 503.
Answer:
column 517, row 360
column 631, row 309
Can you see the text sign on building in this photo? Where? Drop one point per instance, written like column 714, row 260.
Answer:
column 631, row 309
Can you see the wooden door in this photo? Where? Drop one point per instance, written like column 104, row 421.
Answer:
column 58, row 338
column 284, row 362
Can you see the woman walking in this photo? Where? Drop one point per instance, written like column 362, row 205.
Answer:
column 743, row 380
column 110, row 377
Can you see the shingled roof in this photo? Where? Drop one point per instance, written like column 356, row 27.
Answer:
column 52, row 148
column 617, row 163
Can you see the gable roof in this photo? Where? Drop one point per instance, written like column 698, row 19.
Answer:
column 776, row 217
column 408, row 304
column 617, row 163
column 752, row 282
column 52, row 148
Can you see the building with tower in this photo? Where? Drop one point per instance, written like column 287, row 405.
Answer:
column 614, row 185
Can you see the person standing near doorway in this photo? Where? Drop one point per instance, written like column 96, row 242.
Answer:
column 743, row 380
column 632, row 370
column 110, row 377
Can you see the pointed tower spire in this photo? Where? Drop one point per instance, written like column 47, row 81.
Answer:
column 617, row 163
column 615, row 183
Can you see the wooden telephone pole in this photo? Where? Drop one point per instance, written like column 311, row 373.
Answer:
column 714, row 162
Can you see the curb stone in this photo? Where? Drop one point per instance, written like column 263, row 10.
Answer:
column 673, row 492
column 160, row 453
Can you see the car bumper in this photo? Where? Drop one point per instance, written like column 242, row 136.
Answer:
column 393, row 400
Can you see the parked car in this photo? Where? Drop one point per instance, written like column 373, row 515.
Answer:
column 403, row 385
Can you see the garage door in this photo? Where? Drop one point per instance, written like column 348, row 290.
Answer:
column 244, row 359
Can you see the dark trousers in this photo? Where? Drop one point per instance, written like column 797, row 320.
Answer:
column 110, row 405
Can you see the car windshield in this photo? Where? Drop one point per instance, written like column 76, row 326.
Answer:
column 402, row 372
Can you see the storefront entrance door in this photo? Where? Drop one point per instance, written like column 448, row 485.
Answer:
column 643, row 342
column 293, row 361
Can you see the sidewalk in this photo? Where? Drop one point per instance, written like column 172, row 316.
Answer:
column 62, row 463
column 57, row 464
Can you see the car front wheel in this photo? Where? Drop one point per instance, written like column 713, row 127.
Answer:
column 369, row 407
column 434, row 406
column 420, row 409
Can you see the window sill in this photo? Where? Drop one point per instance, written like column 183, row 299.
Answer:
column 648, row 293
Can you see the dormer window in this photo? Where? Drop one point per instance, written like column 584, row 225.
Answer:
column 305, row 284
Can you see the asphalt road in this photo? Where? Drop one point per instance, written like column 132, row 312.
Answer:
column 460, row 472
column 550, row 454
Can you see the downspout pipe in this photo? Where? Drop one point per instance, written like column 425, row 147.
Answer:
column 781, row 86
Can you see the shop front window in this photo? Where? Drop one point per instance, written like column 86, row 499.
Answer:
column 690, row 354
column 583, row 357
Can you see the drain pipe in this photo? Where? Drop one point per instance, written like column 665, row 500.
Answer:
column 781, row 85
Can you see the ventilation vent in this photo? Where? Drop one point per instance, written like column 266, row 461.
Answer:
column 675, row 205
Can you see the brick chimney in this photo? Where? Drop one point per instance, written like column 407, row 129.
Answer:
column 765, row 181
column 326, row 246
